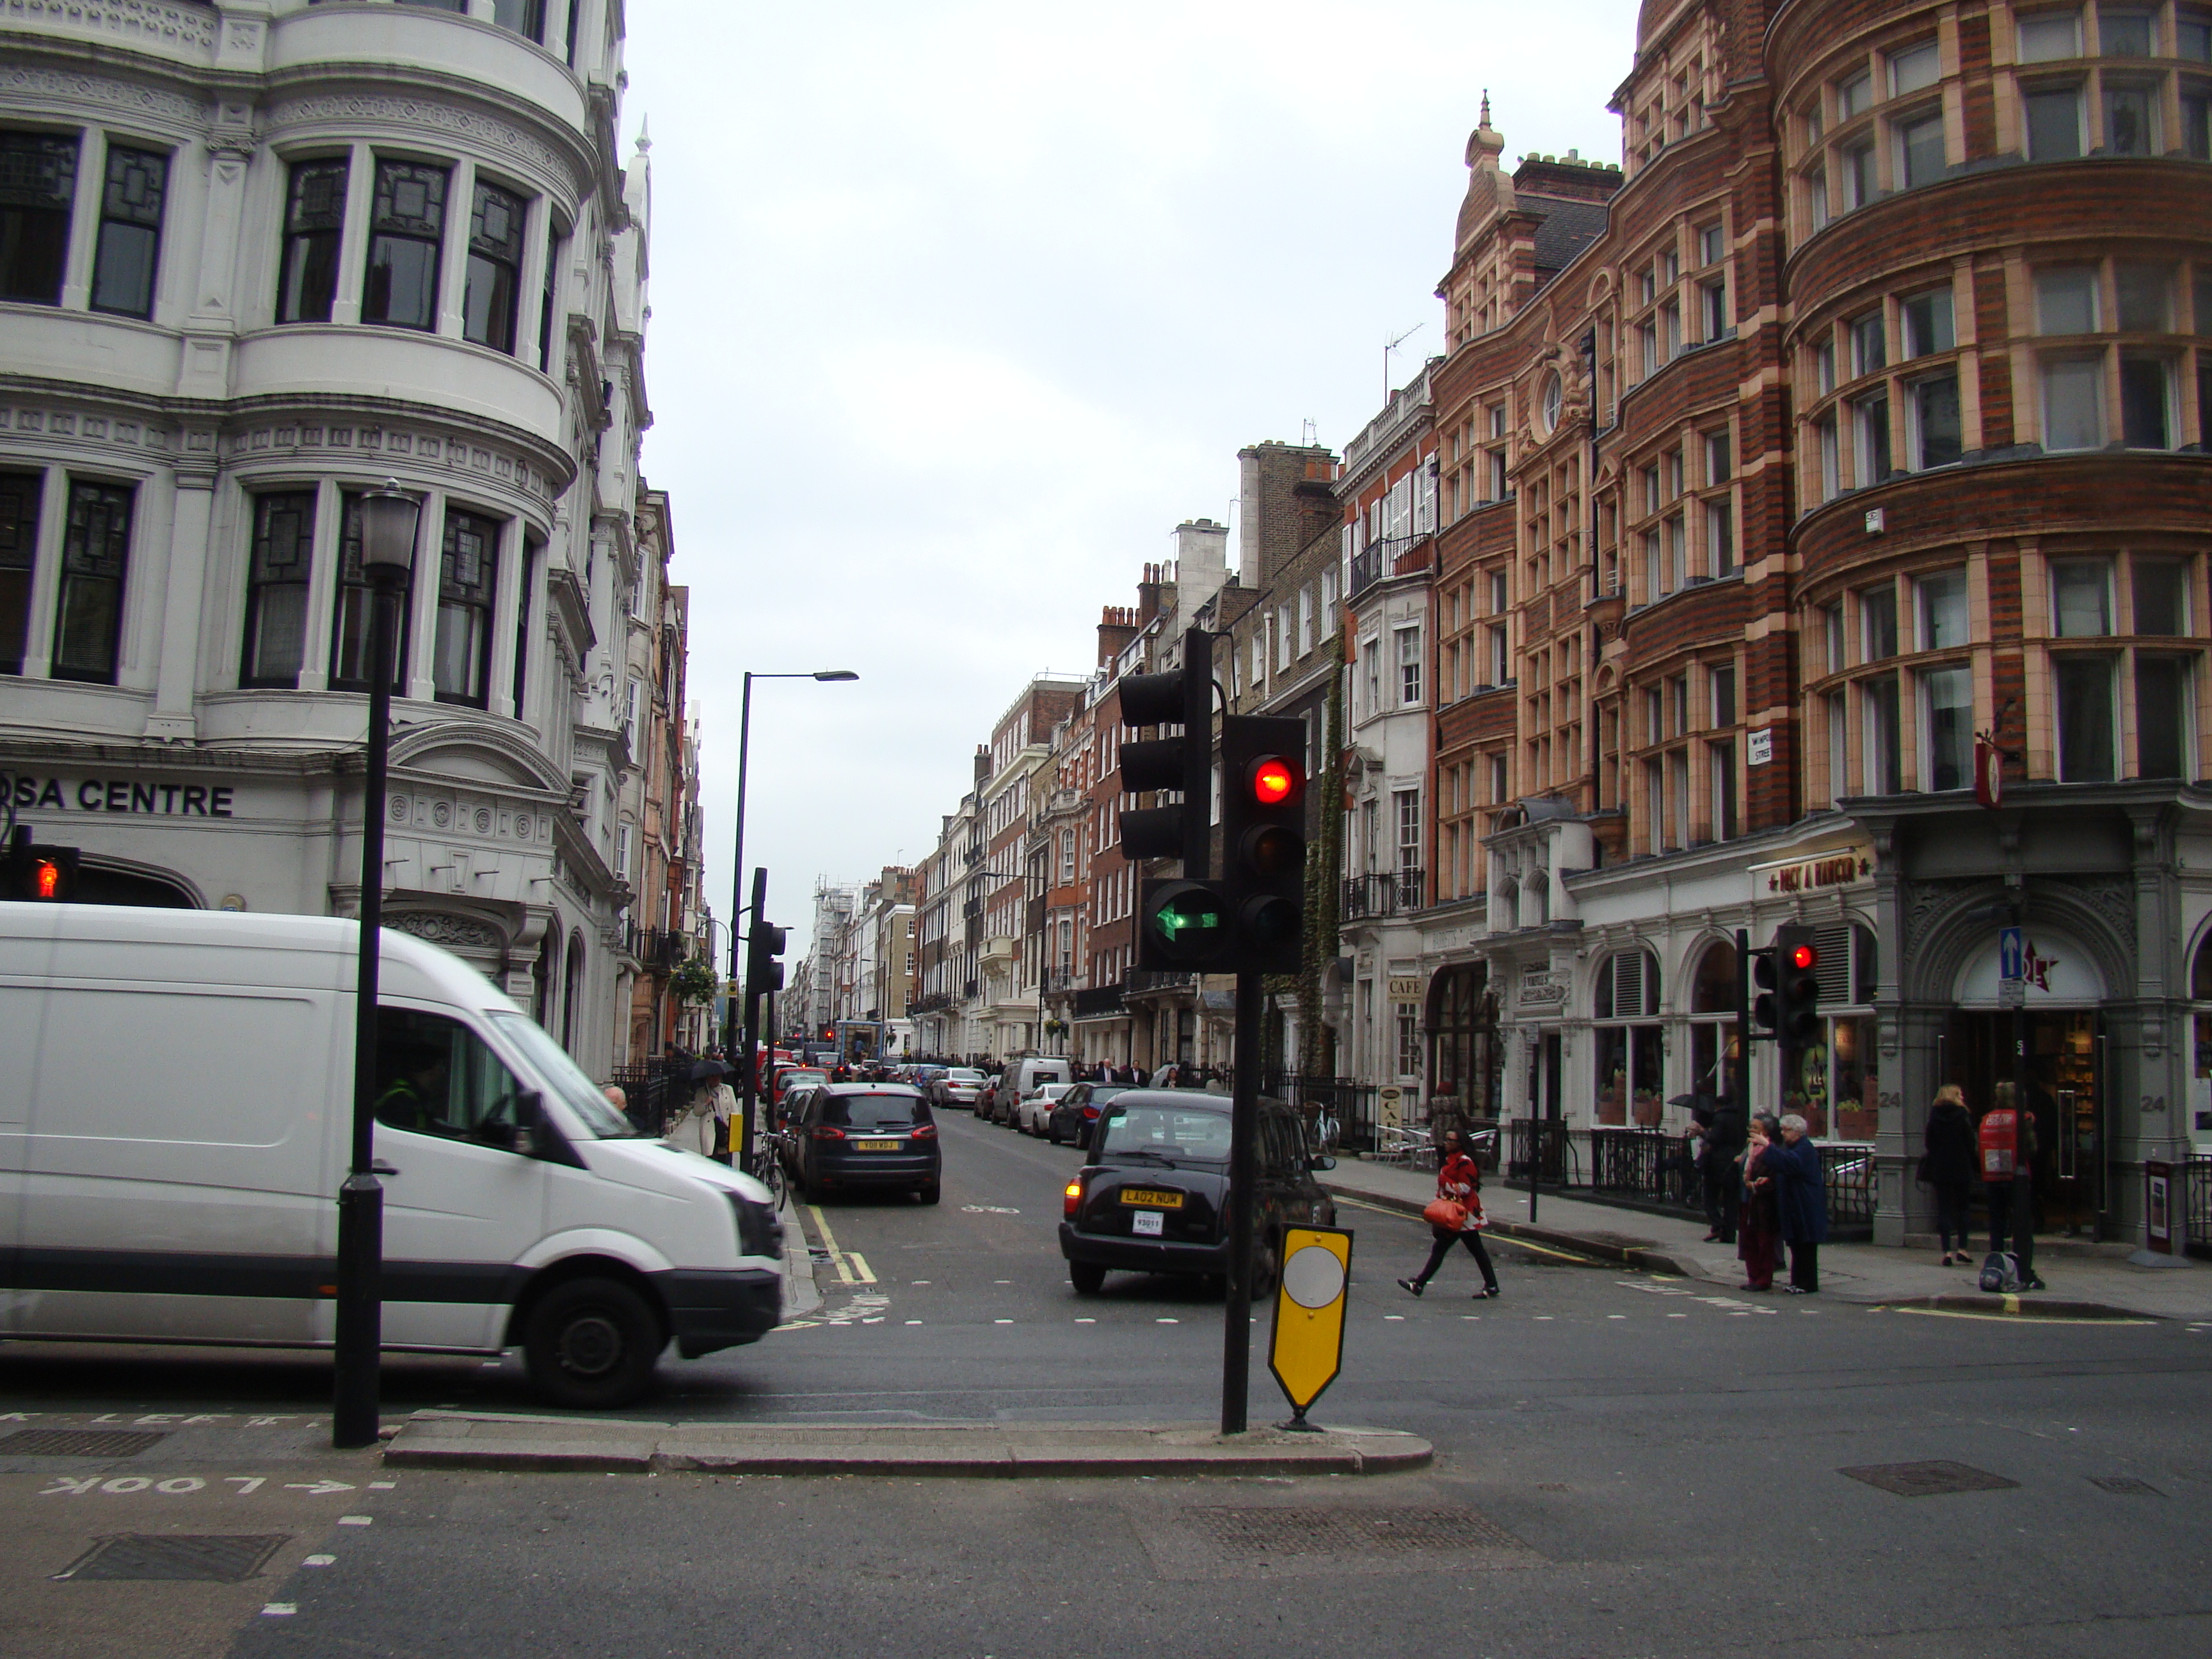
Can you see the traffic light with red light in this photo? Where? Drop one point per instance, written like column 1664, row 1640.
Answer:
column 43, row 875
column 1263, row 841
column 1797, row 998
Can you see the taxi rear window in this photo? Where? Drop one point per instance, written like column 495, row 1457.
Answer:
column 874, row 1111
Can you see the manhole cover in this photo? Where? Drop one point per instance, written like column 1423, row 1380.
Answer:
column 1245, row 1533
column 1932, row 1479
column 218, row 1559
column 76, row 1443
column 2126, row 1485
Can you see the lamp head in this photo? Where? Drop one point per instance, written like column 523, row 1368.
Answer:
column 388, row 519
column 836, row 674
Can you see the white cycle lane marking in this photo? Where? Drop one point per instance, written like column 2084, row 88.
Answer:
column 183, row 1485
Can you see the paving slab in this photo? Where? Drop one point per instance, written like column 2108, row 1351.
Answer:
column 460, row 1440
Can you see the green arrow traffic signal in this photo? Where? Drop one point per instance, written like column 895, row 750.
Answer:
column 1183, row 924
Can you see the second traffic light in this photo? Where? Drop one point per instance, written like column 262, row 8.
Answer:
column 1263, row 841
column 763, row 973
column 1181, row 697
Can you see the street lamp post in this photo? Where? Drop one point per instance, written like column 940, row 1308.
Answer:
column 735, row 1029
column 387, row 554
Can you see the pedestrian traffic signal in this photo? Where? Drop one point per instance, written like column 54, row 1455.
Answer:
column 1797, row 961
column 1183, row 925
column 763, row 973
column 1184, row 763
column 45, row 875
column 1263, row 841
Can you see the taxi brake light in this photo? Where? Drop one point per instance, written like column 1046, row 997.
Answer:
column 1072, row 1197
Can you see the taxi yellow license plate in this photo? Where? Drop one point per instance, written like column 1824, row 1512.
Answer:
column 875, row 1146
column 1151, row 1199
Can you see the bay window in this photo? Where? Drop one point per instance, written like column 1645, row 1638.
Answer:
column 1946, row 759
column 352, row 660
column 2087, row 734
column 2164, row 703
column 314, row 220
column 88, row 612
column 19, row 549
column 38, row 185
column 278, row 566
column 495, row 277
column 406, row 223
column 130, row 243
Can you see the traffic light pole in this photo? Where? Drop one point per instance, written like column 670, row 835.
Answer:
column 748, row 1029
column 1739, row 1074
column 1243, row 1136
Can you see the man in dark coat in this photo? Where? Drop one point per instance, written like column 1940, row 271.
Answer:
column 1725, row 1140
column 1801, row 1203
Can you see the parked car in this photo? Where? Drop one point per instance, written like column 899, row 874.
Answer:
column 846, row 1136
column 1017, row 1081
column 1154, row 1197
column 1074, row 1112
column 522, row 1210
column 1035, row 1107
column 959, row 1085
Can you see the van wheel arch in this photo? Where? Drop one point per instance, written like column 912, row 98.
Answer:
column 581, row 1267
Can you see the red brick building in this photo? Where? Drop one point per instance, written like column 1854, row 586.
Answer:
column 1861, row 411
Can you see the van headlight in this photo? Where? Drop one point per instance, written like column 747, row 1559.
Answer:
column 759, row 1231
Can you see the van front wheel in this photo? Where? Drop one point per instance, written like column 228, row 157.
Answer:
column 591, row 1345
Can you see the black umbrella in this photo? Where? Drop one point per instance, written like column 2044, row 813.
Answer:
column 704, row 1070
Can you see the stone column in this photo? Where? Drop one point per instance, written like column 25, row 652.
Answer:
column 177, row 671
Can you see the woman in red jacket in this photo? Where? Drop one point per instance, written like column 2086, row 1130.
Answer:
column 1459, row 1181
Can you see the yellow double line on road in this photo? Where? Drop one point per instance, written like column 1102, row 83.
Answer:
column 852, row 1267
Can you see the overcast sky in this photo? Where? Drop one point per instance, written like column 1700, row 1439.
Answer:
column 959, row 308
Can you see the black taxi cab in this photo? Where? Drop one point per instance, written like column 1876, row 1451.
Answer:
column 1154, row 1197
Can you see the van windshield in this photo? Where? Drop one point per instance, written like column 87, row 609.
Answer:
column 567, row 1078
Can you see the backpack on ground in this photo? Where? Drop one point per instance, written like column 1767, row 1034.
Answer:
column 2001, row 1274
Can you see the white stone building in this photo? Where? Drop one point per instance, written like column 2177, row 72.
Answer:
column 261, row 256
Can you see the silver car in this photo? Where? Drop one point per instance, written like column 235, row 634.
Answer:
column 961, row 1086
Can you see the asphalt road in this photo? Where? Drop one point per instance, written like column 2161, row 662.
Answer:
column 1626, row 1465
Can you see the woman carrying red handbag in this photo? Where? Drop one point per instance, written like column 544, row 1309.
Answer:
column 1455, row 1217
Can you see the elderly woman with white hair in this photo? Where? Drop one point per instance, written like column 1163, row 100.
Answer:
column 1801, row 1202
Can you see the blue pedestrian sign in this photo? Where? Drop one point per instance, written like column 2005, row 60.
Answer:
column 2012, row 953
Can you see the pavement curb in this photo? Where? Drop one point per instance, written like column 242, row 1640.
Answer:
column 455, row 1441
column 2028, row 1306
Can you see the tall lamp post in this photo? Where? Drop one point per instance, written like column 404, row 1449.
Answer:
column 733, row 1024
column 388, row 519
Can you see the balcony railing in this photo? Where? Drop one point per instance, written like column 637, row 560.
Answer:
column 1146, row 979
column 657, row 950
column 1381, row 893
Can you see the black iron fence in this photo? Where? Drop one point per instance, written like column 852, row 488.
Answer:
column 2197, row 1203
column 1346, row 1102
column 1652, row 1168
column 656, row 1090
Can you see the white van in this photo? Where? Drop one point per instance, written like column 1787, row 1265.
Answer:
column 176, row 1103
column 1020, row 1079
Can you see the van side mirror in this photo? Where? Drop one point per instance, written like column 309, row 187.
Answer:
column 529, row 1114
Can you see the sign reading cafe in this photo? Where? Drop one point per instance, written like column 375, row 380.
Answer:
column 155, row 798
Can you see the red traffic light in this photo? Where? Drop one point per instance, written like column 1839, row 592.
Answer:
column 45, row 879
column 1275, row 780
column 1804, row 957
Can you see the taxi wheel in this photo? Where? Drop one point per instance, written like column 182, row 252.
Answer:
column 1088, row 1278
column 591, row 1345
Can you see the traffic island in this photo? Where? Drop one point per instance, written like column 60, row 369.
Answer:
column 462, row 1440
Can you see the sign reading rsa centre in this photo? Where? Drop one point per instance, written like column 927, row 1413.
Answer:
column 156, row 797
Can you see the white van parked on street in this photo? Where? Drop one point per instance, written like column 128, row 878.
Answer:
column 176, row 1105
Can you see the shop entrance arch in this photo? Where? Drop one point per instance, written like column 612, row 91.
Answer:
column 2061, row 1026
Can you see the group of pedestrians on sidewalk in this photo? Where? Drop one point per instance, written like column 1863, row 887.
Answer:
column 1999, row 1152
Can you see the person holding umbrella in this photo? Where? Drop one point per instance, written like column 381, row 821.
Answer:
column 705, row 1126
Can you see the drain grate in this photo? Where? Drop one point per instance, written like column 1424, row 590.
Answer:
column 77, row 1442
column 2126, row 1485
column 1244, row 1533
column 211, row 1558
column 1932, row 1479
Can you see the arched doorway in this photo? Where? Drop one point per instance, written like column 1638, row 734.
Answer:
column 1462, row 1017
column 2061, row 1026
column 2200, row 1060
column 1713, row 1021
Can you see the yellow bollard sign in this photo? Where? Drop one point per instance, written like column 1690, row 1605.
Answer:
column 1306, row 1349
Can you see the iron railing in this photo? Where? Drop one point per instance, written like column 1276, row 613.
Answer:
column 1381, row 893
column 2197, row 1204
column 1349, row 1102
column 657, row 949
column 656, row 1090
column 1652, row 1168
